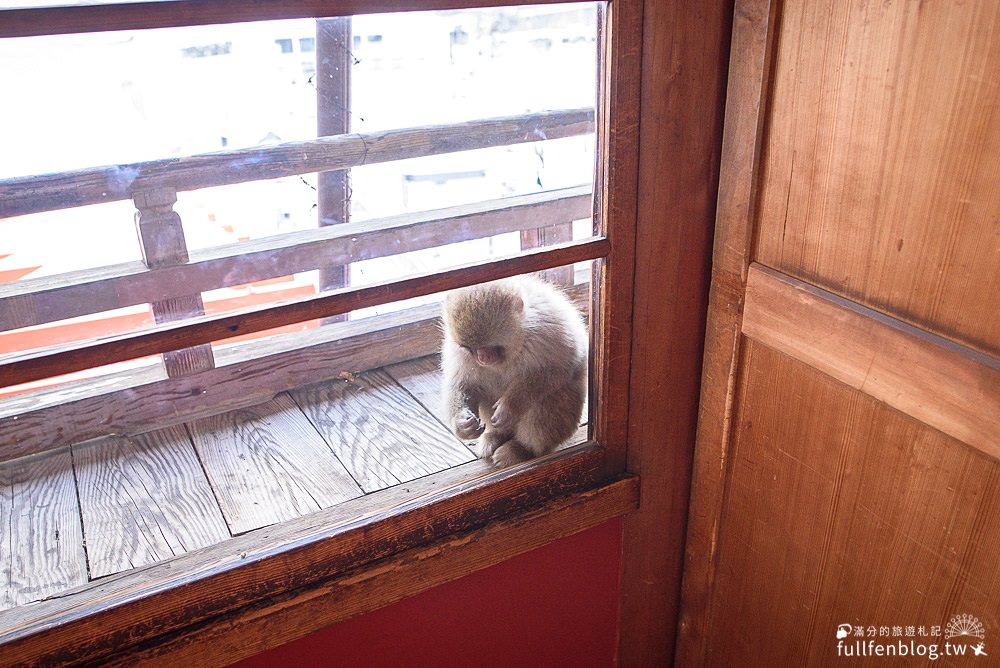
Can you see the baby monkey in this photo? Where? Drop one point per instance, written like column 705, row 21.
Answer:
column 515, row 367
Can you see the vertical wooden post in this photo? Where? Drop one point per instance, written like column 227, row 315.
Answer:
column 161, row 238
column 333, row 117
column 548, row 236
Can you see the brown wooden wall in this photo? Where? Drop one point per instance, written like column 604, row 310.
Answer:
column 847, row 461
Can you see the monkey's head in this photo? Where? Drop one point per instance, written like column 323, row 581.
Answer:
column 486, row 321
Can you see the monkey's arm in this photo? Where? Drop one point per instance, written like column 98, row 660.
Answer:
column 462, row 404
column 529, row 389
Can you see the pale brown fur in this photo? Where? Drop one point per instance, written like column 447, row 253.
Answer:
column 515, row 367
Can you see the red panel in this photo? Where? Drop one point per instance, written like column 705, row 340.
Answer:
column 554, row 606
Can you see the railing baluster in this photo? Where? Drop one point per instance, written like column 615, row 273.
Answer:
column 161, row 238
column 549, row 236
column 333, row 114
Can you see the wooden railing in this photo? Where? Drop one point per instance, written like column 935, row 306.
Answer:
column 140, row 14
column 37, row 301
column 33, row 194
column 195, row 380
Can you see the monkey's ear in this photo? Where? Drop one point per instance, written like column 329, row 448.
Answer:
column 517, row 305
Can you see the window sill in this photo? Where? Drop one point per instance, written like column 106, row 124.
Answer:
column 272, row 585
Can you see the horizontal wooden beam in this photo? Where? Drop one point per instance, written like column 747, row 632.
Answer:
column 48, row 192
column 263, row 567
column 950, row 387
column 36, row 301
column 46, row 363
column 176, row 13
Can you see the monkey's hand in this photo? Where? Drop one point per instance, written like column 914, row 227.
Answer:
column 466, row 425
column 505, row 415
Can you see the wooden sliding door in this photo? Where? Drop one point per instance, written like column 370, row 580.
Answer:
column 846, row 492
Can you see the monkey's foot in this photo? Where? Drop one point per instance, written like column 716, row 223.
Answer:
column 489, row 442
column 510, row 453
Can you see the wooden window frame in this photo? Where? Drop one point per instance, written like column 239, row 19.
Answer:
column 242, row 597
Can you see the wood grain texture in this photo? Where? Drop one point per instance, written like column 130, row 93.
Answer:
column 333, row 117
column 144, row 499
column 41, row 545
column 267, row 464
column 881, row 176
column 50, row 298
column 869, row 172
column 122, row 610
column 22, row 368
column 75, row 390
column 186, row 361
column 379, row 431
column 684, row 56
column 162, row 242
column 953, row 389
column 844, row 511
column 248, row 374
column 253, row 630
column 422, row 378
column 32, row 194
column 751, row 50
column 170, row 13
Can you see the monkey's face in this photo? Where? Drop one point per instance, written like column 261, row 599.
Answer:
column 486, row 321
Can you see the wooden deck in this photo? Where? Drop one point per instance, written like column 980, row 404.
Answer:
column 73, row 515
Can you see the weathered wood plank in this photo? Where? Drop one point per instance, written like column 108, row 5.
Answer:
column 23, row 368
column 144, row 499
column 57, row 20
column 50, row 298
column 381, row 434
column 76, row 390
column 944, row 385
column 267, row 464
column 139, row 605
column 186, row 361
column 31, row 194
column 41, row 545
column 422, row 378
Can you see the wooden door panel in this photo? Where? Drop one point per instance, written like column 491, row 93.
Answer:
column 843, row 510
column 847, row 469
column 948, row 386
column 880, row 179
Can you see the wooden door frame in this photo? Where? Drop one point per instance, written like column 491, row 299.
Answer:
column 750, row 67
column 685, row 57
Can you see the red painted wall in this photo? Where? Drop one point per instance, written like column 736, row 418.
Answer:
column 554, row 606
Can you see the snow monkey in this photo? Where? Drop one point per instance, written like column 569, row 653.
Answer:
column 515, row 367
